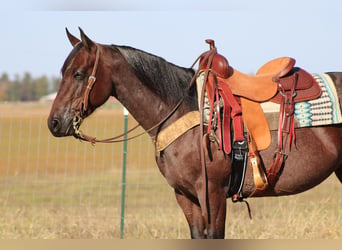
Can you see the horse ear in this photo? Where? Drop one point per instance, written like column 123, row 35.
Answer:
column 87, row 43
column 73, row 40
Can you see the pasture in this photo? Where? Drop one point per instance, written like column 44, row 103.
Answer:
column 60, row 188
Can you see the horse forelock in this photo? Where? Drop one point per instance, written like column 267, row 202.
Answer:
column 166, row 79
column 68, row 61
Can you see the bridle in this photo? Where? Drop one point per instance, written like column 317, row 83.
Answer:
column 83, row 108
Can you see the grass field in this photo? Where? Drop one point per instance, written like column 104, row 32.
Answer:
column 60, row 188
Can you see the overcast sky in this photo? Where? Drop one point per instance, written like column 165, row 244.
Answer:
column 247, row 32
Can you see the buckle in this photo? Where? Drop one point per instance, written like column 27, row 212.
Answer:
column 240, row 149
column 240, row 145
column 91, row 79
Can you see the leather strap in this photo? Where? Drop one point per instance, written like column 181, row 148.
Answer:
column 285, row 130
column 236, row 112
column 91, row 81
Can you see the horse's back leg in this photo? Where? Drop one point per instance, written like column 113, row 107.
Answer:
column 193, row 215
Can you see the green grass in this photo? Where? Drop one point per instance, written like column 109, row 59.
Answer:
column 60, row 188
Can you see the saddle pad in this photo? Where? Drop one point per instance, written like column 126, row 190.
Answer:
column 206, row 104
column 324, row 110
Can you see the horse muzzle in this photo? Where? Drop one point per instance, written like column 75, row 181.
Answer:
column 61, row 127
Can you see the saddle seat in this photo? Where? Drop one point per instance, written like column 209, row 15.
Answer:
column 260, row 87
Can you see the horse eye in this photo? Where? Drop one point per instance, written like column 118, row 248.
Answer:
column 79, row 75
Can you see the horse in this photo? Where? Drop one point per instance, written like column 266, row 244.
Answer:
column 157, row 93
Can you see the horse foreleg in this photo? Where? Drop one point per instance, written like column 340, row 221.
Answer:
column 193, row 215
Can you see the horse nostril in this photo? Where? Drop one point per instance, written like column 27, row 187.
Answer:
column 55, row 125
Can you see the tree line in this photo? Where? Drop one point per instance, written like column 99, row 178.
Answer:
column 26, row 88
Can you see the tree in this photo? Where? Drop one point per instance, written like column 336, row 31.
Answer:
column 13, row 89
column 41, row 86
column 26, row 89
column 4, row 85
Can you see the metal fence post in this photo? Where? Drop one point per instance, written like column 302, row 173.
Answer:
column 123, row 181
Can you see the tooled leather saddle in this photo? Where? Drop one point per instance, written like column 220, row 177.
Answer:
column 276, row 81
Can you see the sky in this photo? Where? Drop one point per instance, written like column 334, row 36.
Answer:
column 247, row 32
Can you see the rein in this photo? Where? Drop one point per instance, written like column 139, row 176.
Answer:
column 80, row 135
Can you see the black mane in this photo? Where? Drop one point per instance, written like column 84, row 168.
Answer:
column 166, row 79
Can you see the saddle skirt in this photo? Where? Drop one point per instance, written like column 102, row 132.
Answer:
column 325, row 110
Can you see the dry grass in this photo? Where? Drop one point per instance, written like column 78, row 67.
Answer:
column 61, row 188
column 315, row 214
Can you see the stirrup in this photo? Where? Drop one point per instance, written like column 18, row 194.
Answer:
column 259, row 176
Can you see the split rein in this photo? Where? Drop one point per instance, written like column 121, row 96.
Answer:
column 83, row 106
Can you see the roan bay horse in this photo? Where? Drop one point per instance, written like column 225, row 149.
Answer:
column 151, row 89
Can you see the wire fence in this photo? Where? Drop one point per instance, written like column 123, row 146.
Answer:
column 63, row 188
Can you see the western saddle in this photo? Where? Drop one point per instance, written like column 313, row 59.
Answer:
column 276, row 81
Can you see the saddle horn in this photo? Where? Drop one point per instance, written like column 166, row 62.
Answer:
column 219, row 63
column 211, row 42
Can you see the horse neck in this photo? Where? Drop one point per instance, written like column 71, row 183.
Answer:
column 145, row 105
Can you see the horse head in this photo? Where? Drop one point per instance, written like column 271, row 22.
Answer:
column 83, row 88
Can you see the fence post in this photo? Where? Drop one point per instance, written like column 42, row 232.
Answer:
column 123, row 181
